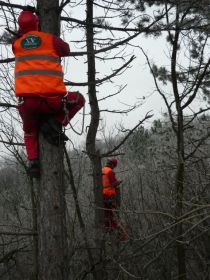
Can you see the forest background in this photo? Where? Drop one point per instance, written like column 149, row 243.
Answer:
column 54, row 227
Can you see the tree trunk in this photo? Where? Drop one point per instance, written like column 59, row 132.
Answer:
column 51, row 215
column 49, row 16
column 92, row 152
column 52, row 237
column 34, row 222
column 179, row 228
column 180, row 248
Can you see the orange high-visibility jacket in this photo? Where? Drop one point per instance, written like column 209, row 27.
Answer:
column 37, row 66
column 107, row 189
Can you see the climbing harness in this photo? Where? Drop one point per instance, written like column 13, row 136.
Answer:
column 67, row 102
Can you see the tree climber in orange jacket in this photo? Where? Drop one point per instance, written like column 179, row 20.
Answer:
column 110, row 184
column 40, row 88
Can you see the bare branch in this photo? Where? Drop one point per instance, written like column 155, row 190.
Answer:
column 7, row 105
column 12, row 143
column 126, row 137
column 160, row 91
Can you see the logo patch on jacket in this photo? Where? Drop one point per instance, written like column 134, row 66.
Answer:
column 31, row 42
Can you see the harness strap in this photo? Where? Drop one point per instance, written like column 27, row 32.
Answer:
column 65, row 103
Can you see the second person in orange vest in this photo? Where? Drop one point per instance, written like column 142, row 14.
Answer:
column 110, row 184
column 40, row 88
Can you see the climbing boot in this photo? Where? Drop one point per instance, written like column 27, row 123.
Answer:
column 52, row 132
column 34, row 168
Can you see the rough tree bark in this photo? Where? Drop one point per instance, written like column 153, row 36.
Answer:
column 34, row 223
column 52, row 237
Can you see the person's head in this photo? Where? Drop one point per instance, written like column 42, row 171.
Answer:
column 27, row 21
column 112, row 162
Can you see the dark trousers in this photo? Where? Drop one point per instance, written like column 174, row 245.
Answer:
column 110, row 215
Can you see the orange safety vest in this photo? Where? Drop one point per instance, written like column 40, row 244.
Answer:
column 37, row 66
column 107, row 189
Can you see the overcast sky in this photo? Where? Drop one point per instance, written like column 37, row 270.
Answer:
column 138, row 80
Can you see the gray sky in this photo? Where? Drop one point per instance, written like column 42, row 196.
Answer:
column 138, row 79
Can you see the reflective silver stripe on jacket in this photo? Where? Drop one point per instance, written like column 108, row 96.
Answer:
column 37, row 57
column 39, row 72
